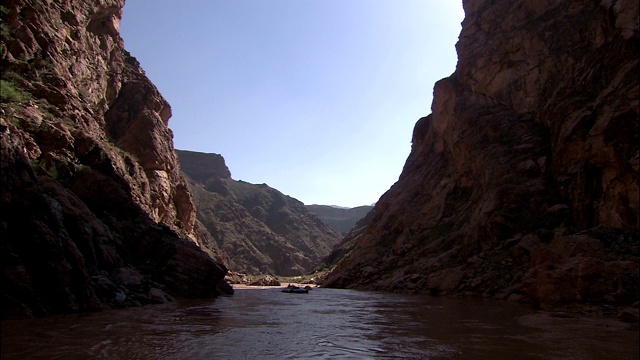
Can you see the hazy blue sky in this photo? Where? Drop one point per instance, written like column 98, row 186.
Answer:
column 316, row 98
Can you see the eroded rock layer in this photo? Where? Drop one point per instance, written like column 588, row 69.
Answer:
column 523, row 182
column 95, row 212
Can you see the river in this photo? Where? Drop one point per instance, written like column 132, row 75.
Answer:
column 326, row 323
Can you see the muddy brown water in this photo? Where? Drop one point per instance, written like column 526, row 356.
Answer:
column 324, row 324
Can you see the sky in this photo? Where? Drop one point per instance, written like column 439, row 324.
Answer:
column 316, row 98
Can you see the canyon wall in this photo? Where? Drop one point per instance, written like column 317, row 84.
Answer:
column 256, row 228
column 522, row 184
column 95, row 212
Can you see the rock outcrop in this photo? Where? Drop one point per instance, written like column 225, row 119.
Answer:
column 255, row 228
column 340, row 219
column 266, row 280
column 523, row 182
column 95, row 212
column 348, row 242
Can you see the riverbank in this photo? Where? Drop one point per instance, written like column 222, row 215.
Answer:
column 260, row 287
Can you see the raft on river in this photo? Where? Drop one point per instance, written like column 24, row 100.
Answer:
column 296, row 289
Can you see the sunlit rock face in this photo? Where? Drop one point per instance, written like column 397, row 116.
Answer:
column 253, row 227
column 89, row 177
column 523, row 182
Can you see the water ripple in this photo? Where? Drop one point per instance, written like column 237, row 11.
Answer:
column 324, row 324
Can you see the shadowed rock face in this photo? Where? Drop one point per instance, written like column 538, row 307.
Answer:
column 523, row 182
column 257, row 229
column 95, row 212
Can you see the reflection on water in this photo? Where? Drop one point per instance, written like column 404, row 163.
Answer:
column 326, row 323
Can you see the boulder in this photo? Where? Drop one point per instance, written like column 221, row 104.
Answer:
column 266, row 280
column 224, row 288
column 630, row 315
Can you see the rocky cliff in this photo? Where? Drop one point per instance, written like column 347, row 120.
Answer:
column 95, row 212
column 257, row 229
column 523, row 182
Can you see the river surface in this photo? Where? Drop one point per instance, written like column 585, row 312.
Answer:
column 326, row 323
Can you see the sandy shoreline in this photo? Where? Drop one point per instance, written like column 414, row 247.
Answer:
column 282, row 285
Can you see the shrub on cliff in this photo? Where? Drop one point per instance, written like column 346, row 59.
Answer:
column 9, row 92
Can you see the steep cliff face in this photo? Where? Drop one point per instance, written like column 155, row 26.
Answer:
column 258, row 229
column 523, row 182
column 95, row 212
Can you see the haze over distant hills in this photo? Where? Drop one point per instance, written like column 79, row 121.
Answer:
column 341, row 219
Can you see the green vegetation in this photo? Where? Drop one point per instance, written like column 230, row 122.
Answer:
column 5, row 34
column 82, row 169
column 323, row 267
column 296, row 279
column 11, row 89
column 50, row 169
column 9, row 92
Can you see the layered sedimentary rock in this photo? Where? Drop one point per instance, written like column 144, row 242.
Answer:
column 95, row 212
column 255, row 228
column 523, row 182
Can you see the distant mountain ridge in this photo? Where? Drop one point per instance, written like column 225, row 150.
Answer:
column 341, row 219
column 254, row 228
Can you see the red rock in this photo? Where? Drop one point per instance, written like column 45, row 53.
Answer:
column 93, row 204
column 533, row 137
